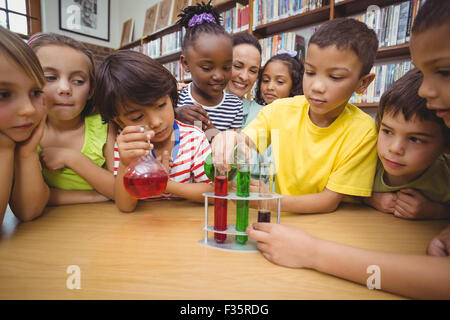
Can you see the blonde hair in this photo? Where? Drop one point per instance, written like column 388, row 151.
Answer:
column 17, row 50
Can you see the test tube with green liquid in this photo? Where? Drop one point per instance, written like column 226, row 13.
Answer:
column 242, row 190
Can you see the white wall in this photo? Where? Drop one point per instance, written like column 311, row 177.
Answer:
column 134, row 9
column 120, row 11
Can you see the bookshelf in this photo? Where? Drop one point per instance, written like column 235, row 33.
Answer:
column 296, row 15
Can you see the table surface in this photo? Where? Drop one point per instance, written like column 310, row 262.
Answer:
column 154, row 253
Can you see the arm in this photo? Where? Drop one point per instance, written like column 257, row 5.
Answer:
column 325, row 201
column 420, row 277
column 194, row 115
column 102, row 180
column 63, row 197
column 30, row 193
column 191, row 191
column 6, row 172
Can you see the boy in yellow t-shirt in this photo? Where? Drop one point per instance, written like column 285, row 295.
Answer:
column 324, row 147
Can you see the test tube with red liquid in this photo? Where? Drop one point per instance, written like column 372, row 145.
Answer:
column 265, row 177
column 220, row 205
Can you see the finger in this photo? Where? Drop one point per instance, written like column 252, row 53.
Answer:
column 410, row 192
column 267, row 256
column 258, row 235
column 135, row 153
column 134, row 145
column 263, row 247
column 437, row 248
column 131, row 137
column 401, row 213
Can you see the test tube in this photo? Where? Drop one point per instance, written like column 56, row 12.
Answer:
column 242, row 190
column 220, row 205
column 264, row 178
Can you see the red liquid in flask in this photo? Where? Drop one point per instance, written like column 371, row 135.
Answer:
column 145, row 178
column 145, row 187
column 220, row 208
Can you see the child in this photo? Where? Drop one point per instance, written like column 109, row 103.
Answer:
column 76, row 146
column 207, row 54
column 430, row 52
column 413, row 173
column 281, row 77
column 246, row 65
column 323, row 147
column 22, row 114
column 413, row 276
column 133, row 90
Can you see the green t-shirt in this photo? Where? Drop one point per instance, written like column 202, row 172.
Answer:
column 250, row 110
column 95, row 134
column 434, row 183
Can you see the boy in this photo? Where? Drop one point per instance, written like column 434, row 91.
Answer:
column 324, row 147
column 416, row 276
column 134, row 91
column 413, row 173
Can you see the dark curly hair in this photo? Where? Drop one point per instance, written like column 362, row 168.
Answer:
column 296, row 69
column 193, row 32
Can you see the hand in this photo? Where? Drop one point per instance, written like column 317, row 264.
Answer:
column 382, row 201
column 6, row 142
column 193, row 115
column 440, row 245
column 166, row 160
column 56, row 158
column 133, row 143
column 29, row 146
column 411, row 204
column 222, row 148
column 283, row 245
column 181, row 86
column 258, row 187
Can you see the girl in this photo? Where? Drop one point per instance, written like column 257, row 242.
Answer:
column 281, row 77
column 22, row 112
column 134, row 91
column 246, row 65
column 76, row 145
column 207, row 55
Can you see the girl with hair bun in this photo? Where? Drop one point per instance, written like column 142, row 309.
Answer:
column 207, row 53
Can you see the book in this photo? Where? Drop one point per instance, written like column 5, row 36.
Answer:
column 164, row 14
column 178, row 6
column 402, row 22
column 150, row 18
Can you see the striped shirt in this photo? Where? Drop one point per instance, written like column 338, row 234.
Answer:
column 226, row 115
column 188, row 162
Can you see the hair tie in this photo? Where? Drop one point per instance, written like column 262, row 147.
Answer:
column 33, row 40
column 201, row 18
column 292, row 53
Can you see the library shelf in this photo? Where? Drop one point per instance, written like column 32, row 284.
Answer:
column 304, row 19
column 400, row 51
column 174, row 56
column 351, row 7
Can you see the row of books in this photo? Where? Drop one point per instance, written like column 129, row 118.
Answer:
column 236, row 19
column 163, row 46
column 266, row 11
column 289, row 41
column 385, row 76
column 392, row 24
column 176, row 69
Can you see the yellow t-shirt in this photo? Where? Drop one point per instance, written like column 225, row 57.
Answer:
column 341, row 157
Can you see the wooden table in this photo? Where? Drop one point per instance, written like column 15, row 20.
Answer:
column 154, row 253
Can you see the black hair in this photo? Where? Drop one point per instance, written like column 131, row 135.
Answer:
column 192, row 32
column 433, row 13
column 296, row 71
column 402, row 96
column 246, row 38
column 350, row 34
column 128, row 76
